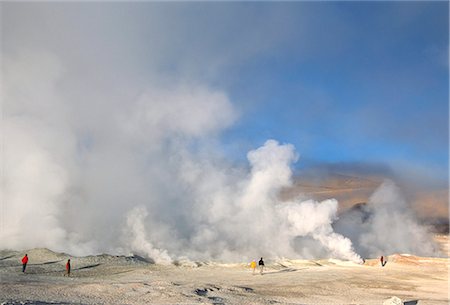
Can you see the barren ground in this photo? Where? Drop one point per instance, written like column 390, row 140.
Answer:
column 108, row 279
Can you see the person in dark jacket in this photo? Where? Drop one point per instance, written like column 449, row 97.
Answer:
column 24, row 262
column 261, row 265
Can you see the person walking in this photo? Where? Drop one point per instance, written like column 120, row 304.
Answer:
column 383, row 261
column 24, row 262
column 67, row 268
column 253, row 266
column 261, row 265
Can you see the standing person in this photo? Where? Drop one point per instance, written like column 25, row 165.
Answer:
column 24, row 262
column 253, row 266
column 67, row 268
column 261, row 265
column 383, row 261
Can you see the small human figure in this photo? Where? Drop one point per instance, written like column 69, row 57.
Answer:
column 24, row 262
column 253, row 266
column 261, row 265
column 383, row 262
column 67, row 268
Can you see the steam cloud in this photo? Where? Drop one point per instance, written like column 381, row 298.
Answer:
column 144, row 176
column 386, row 225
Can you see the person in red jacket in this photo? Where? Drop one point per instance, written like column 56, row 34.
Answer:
column 67, row 268
column 24, row 262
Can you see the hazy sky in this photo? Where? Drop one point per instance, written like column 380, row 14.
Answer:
column 363, row 82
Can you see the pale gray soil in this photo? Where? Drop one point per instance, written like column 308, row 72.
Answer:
column 109, row 279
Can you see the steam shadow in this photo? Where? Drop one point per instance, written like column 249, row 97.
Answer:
column 411, row 302
column 285, row 270
column 88, row 267
column 47, row 263
column 126, row 271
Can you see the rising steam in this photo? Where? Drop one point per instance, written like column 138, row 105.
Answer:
column 143, row 175
column 386, row 224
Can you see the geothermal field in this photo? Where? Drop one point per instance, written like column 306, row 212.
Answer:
column 193, row 245
column 134, row 279
column 163, row 146
column 106, row 279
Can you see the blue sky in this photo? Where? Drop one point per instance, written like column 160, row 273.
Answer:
column 345, row 82
column 369, row 83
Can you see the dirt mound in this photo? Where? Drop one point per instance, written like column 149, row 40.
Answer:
column 404, row 259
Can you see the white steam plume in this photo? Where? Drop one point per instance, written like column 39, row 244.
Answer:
column 393, row 225
column 314, row 219
column 140, row 173
column 386, row 225
column 137, row 237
